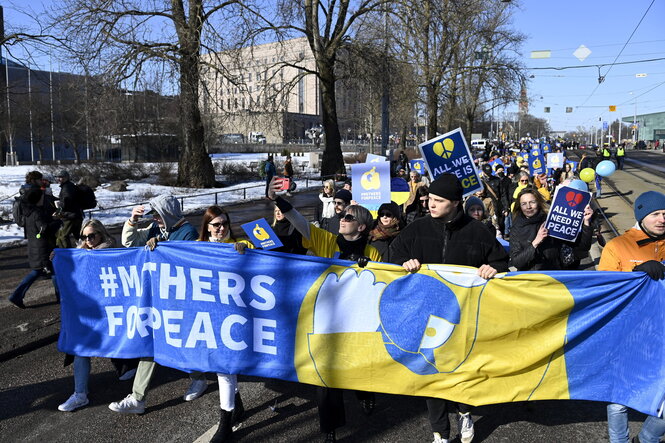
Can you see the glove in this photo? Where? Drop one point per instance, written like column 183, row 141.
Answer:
column 152, row 243
column 653, row 268
column 362, row 261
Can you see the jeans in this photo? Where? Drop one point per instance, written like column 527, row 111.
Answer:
column 652, row 430
column 508, row 223
column 22, row 288
column 617, row 423
column 81, row 374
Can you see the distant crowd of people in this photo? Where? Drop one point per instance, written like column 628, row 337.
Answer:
column 436, row 225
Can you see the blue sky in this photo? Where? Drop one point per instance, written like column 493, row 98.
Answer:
column 561, row 26
column 604, row 27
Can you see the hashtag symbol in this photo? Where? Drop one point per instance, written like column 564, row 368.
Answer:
column 108, row 279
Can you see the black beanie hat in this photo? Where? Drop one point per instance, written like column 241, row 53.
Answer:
column 447, row 186
column 345, row 195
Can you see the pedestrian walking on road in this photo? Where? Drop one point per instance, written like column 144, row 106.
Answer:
column 270, row 171
column 69, row 211
column 620, row 155
column 642, row 249
column 40, row 229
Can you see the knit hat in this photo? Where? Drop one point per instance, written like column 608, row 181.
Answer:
column 447, row 186
column 473, row 201
column 345, row 195
column 62, row 173
column 487, row 169
column 647, row 203
column 392, row 207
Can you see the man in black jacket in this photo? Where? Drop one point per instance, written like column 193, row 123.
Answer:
column 448, row 236
column 69, row 212
column 493, row 190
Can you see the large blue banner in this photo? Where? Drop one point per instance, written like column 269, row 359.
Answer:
column 441, row 332
column 449, row 153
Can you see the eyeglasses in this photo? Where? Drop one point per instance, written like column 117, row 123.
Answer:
column 349, row 217
column 218, row 224
column 340, row 203
column 386, row 214
column 89, row 237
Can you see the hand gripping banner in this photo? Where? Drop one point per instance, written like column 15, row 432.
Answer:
column 442, row 332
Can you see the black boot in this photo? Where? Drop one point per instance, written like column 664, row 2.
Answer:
column 238, row 411
column 224, row 430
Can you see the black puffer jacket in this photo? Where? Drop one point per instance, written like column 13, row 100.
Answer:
column 462, row 241
column 71, row 201
column 547, row 256
column 38, row 221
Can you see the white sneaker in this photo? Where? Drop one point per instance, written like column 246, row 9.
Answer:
column 196, row 389
column 128, row 405
column 466, row 427
column 439, row 439
column 127, row 375
column 74, row 402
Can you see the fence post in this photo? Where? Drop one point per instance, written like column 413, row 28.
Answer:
column 216, row 193
column 244, row 193
column 182, row 203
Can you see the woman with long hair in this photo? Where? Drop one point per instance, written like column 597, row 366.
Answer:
column 287, row 233
column 216, row 227
column 93, row 236
column 531, row 248
column 326, row 206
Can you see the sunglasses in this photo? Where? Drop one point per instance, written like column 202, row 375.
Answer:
column 386, row 214
column 340, row 203
column 349, row 218
column 89, row 236
column 218, row 224
column 524, row 181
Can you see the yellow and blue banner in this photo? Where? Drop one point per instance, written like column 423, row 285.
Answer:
column 418, row 166
column 449, row 153
column 536, row 161
column 442, row 332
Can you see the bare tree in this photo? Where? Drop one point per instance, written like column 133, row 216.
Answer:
column 126, row 39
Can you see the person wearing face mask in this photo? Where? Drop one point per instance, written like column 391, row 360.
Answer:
column 216, row 227
column 93, row 236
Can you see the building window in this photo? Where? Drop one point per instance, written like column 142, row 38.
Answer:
column 249, row 77
column 301, row 95
column 258, row 76
column 228, row 104
column 243, row 103
column 235, row 103
column 250, row 89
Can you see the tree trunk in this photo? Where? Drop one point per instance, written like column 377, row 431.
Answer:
column 195, row 167
column 333, row 161
column 432, row 111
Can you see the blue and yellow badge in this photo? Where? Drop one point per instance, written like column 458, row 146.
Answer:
column 449, row 153
column 371, row 183
column 261, row 234
column 418, row 166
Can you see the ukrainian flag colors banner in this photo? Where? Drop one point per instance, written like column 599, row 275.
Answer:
column 442, row 332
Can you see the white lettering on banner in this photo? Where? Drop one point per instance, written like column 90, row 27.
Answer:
column 225, row 331
column 225, row 290
column 232, row 331
column 202, row 331
column 130, row 280
column 199, row 286
column 267, row 296
column 261, row 335
column 172, row 328
column 166, row 280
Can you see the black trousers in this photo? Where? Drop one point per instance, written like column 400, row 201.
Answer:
column 437, row 411
column 330, row 403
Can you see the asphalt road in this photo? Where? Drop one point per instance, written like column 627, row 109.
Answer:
column 34, row 382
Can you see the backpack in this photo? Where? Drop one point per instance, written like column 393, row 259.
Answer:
column 17, row 212
column 86, row 197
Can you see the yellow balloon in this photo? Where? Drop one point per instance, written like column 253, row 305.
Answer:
column 587, row 175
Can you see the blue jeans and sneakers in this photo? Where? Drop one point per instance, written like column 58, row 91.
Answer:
column 81, row 375
column 652, row 430
column 19, row 293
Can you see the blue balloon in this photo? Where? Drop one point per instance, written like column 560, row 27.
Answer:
column 605, row 168
column 579, row 185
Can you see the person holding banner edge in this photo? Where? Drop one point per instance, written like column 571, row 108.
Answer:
column 350, row 244
column 641, row 249
column 168, row 224
column 448, row 236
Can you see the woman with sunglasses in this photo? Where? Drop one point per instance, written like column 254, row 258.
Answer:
column 93, row 236
column 349, row 244
column 326, row 205
column 521, row 182
column 216, row 227
column 386, row 227
column 532, row 249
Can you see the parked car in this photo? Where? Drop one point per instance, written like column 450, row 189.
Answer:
column 232, row 138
